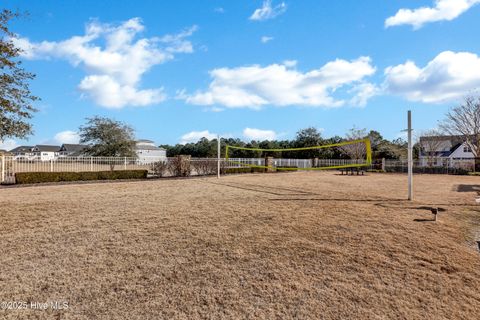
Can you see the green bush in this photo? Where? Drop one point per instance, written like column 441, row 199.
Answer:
column 258, row 170
column 244, row 170
column 375, row 171
column 429, row 170
column 287, row 169
column 474, row 173
column 238, row 170
column 39, row 177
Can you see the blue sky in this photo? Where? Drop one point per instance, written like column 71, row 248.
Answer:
column 177, row 70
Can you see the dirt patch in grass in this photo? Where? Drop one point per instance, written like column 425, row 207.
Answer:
column 293, row 245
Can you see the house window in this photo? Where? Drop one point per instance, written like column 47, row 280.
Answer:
column 467, row 149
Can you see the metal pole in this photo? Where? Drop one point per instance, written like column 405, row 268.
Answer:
column 2, row 179
column 410, row 157
column 218, row 156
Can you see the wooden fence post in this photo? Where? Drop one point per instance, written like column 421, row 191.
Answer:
column 383, row 164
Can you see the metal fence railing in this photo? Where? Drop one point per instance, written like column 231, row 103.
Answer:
column 445, row 166
column 10, row 165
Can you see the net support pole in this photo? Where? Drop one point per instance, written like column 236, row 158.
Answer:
column 218, row 156
column 410, row 157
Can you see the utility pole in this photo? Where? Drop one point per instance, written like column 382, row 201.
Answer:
column 218, row 156
column 410, row 157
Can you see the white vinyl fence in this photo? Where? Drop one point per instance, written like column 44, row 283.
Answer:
column 439, row 166
column 9, row 165
column 299, row 163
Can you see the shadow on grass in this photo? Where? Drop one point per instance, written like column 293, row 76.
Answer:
column 424, row 220
column 337, row 199
column 277, row 191
column 468, row 188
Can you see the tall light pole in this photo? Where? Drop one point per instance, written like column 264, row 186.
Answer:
column 410, row 157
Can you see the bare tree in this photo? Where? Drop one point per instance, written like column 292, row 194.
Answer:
column 431, row 141
column 464, row 121
column 355, row 151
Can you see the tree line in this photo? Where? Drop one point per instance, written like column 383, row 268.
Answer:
column 308, row 137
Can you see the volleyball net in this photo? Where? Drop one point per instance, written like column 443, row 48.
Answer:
column 356, row 153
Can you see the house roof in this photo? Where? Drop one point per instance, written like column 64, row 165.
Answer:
column 72, row 147
column 144, row 144
column 145, row 141
column 46, row 148
column 147, row 147
column 22, row 149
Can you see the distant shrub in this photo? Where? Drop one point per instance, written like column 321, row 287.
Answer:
column 180, row 166
column 287, row 169
column 160, row 168
column 205, row 167
column 244, row 170
column 375, row 171
column 429, row 170
column 39, row 177
column 258, row 170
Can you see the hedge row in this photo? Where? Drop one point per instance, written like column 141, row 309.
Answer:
column 244, row 170
column 39, row 177
column 429, row 170
column 287, row 169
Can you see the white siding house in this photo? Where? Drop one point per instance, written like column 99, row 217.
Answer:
column 147, row 152
column 439, row 150
column 22, row 153
column 71, row 150
column 45, row 153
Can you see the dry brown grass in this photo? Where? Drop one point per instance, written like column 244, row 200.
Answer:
column 278, row 246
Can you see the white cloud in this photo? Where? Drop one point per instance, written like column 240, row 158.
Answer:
column 290, row 63
column 114, row 70
column 267, row 11
column 443, row 10
column 8, row 144
column 266, row 39
column 219, row 10
column 363, row 93
column 282, row 85
column 107, row 92
column 258, row 134
column 448, row 76
column 194, row 136
column 67, row 136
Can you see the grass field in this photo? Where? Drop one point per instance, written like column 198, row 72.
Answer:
column 272, row 246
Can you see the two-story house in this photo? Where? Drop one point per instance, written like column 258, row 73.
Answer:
column 148, row 152
column 439, row 150
column 45, row 152
column 71, row 150
column 22, row 153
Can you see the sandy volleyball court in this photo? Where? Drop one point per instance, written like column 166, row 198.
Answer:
column 272, row 246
